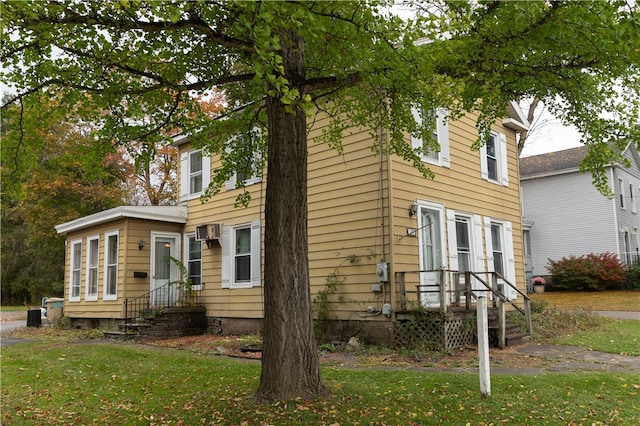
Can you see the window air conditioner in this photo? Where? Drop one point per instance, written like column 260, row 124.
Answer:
column 210, row 232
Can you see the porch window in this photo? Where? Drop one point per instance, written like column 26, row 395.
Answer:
column 76, row 271
column 111, row 266
column 194, row 262
column 93, row 248
column 241, row 258
column 463, row 241
column 493, row 159
column 498, row 252
column 435, row 151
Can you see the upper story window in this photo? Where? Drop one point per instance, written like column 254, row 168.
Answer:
column 93, row 252
column 497, row 248
column 621, row 193
column 632, row 200
column 111, row 266
column 195, row 174
column 248, row 170
column 75, row 275
column 241, row 255
column 439, row 135
column 493, row 159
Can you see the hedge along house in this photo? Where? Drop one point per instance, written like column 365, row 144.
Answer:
column 383, row 241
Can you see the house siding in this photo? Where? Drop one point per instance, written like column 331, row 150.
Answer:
column 130, row 259
column 459, row 188
column 570, row 218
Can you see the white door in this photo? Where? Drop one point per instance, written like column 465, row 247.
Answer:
column 164, row 270
column 430, row 241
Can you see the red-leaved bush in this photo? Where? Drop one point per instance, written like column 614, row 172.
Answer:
column 602, row 271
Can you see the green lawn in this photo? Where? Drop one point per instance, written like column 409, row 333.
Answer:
column 131, row 384
column 612, row 336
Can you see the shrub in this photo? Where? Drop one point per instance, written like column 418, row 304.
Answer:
column 633, row 276
column 589, row 272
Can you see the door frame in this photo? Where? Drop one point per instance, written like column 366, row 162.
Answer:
column 428, row 278
column 174, row 273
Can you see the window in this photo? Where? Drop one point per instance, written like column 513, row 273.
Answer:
column 463, row 242
column 111, row 266
column 493, row 159
column 241, row 255
column 621, row 193
column 194, row 261
column 93, row 249
column 195, row 174
column 498, row 254
column 76, row 271
column 632, row 200
column 526, row 236
column 439, row 135
column 248, row 170
column 430, row 238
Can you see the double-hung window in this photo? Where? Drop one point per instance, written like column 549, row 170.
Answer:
column 632, row 200
column 621, row 193
column 76, row 271
column 195, row 174
column 248, row 166
column 194, row 261
column 93, row 254
column 493, row 159
column 241, row 255
column 434, row 150
column 498, row 250
column 111, row 266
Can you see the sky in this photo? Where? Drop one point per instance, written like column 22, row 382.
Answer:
column 550, row 135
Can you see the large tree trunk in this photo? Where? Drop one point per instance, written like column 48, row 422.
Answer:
column 290, row 363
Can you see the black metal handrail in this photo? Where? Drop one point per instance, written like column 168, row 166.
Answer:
column 155, row 301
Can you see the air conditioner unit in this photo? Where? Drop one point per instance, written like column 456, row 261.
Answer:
column 209, row 232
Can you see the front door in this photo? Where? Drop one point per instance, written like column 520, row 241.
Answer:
column 430, row 241
column 165, row 271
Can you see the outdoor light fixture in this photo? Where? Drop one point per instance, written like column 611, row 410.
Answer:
column 413, row 209
column 141, row 244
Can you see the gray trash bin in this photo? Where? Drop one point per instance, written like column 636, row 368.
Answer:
column 55, row 308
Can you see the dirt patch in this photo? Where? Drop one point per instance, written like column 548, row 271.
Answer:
column 13, row 315
column 465, row 357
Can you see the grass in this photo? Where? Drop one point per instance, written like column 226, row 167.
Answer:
column 623, row 300
column 612, row 336
column 131, row 384
column 12, row 308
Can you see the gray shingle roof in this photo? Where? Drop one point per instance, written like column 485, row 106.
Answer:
column 552, row 161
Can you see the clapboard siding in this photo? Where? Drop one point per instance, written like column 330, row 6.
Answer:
column 570, row 218
column 130, row 259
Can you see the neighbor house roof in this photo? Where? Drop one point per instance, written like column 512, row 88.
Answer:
column 553, row 162
column 171, row 214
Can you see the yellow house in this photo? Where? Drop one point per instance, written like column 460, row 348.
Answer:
column 383, row 241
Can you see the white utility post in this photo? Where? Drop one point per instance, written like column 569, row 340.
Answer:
column 483, row 347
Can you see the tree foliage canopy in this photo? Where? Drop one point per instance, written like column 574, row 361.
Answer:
column 135, row 68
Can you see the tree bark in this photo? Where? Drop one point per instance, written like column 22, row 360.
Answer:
column 290, row 362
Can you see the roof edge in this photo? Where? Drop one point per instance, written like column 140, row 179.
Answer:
column 171, row 214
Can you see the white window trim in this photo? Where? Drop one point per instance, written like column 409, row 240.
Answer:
column 232, row 183
column 105, row 285
column 621, row 191
column 501, row 157
column 92, row 297
column 507, row 250
column 185, row 246
column 632, row 198
column 185, row 175
column 442, row 132
column 73, row 267
column 227, row 267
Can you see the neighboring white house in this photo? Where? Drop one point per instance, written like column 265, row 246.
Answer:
column 564, row 215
